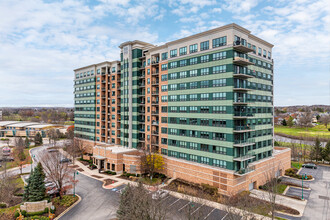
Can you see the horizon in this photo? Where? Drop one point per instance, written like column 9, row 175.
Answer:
column 42, row 43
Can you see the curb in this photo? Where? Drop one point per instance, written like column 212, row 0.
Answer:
column 68, row 209
column 299, row 179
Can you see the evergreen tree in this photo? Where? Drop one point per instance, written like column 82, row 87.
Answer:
column 284, row 122
column 38, row 139
column 37, row 187
column 326, row 152
column 26, row 194
column 317, row 150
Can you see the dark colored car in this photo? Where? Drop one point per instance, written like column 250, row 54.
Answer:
column 65, row 160
column 309, row 165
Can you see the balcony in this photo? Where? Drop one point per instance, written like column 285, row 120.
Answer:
column 141, row 121
column 141, row 130
column 155, row 112
column 238, row 46
column 242, row 61
column 142, row 84
column 242, row 115
column 249, row 155
column 155, row 82
column 155, row 133
column 142, row 76
column 155, row 123
column 155, row 103
column 142, row 103
column 242, row 75
column 155, row 62
column 241, row 88
column 242, row 129
column 244, row 171
column 154, row 143
column 240, row 102
column 103, row 81
column 244, row 143
column 155, row 73
column 142, row 94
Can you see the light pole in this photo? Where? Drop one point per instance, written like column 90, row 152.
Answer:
column 74, row 183
column 302, row 185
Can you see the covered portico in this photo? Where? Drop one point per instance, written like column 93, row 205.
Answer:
column 99, row 161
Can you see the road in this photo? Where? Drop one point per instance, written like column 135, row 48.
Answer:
column 291, row 140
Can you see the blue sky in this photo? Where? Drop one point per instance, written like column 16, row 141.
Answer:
column 41, row 42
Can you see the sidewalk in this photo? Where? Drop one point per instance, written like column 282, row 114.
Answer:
column 281, row 200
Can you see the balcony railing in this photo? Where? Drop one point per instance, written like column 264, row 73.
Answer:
column 243, row 114
column 244, row 171
column 241, row 47
column 244, row 143
column 243, row 157
column 243, row 61
column 243, row 128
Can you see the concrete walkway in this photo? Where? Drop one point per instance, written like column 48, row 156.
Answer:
column 281, row 200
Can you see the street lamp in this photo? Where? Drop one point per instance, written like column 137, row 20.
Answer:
column 74, row 183
column 302, row 185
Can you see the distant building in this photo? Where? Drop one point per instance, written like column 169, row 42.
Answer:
column 0, row 115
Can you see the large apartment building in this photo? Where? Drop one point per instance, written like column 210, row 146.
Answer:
column 205, row 102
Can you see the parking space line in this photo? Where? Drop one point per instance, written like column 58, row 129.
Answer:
column 224, row 216
column 197, row 209
column 174, row 202
column 165, row 198
column 209, row 214
column 183, row 206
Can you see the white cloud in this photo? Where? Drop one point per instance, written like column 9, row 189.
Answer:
column 238, row 6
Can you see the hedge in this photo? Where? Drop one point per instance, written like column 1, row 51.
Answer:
column 292, row 172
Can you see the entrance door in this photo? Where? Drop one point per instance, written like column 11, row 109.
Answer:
column 251, row 186
column 102, row 164
column 123, row 167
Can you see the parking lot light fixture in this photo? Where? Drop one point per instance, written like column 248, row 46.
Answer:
column 74, row 183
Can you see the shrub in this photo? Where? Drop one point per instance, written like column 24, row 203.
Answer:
column 46, row 210
column 24, row 213
column 16, row 214
column 209, row 189
column 328, row 129
column 3, row 205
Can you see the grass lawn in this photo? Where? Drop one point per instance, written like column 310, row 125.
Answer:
column 281, row 188
column 316, row 131
column 296, row 164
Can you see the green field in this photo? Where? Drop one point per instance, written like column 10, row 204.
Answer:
column 296, row 164
column 317, row 131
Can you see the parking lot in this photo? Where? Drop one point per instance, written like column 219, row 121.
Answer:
column 185, row 209
column 297, row 192
column 309, row 171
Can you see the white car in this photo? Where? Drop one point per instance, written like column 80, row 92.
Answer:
column 160, row 194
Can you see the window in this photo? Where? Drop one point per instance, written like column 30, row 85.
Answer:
column 183, row 109
column 205, row 96
column 264, row 53
column 205, row 71
column 193, row 61
column 164, row 67
column 173, row 65
column 193, row 48
column 221, row 41
column 183, row 63
column 164, row 56
column 164, row 108
column 220, row 55
column 183, row 74
column 205, row 45
column 219, row 136
column 164, row 77
column 269, row 55
column 164, row 98
column 259, row 51
column 219, row 163
column 218, row 123
column 219, row 69
column 193, row 97
column 219, row 82
column 164, row 88
column 173, row 87
column 193, row 85
column 205, row 160
column 204, row 58
column 219, row 150
column 204, row 147
column 148, row 61
column 183, row 97
column 173, row 98
column 205, row 109
column 254, row 48
column 173, row 53
column 204, row 84
column 183, row 51
column 219, row 96
column 193, row 109
column 193, row 158
column 193, row 73
column 182, row 86
column 173, row 75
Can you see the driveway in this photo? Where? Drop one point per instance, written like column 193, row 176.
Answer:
column 318, row 205
column 97, row 203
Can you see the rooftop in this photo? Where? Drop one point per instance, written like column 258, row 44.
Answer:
column 5, row 123
column 116, row 149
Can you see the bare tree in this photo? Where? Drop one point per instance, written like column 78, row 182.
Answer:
column 272, row 177
column 325, row 119
column 136, row 202
column 7, row 188
column 75, row 148
column 53, row 136
column 238, row 206
column 56, row 172
column 305, row 120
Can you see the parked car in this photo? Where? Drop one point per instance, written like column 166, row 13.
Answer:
column 8, row 159
column 160, row 194
column 309, row 165
column 65, row 160
column 52, row 150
